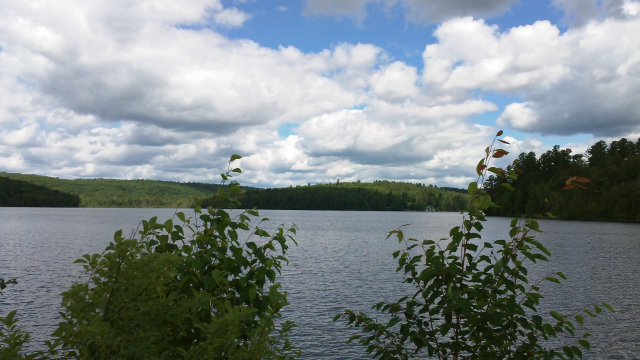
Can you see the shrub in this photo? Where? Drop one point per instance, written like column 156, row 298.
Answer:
column 473, row 299
column 202, row 288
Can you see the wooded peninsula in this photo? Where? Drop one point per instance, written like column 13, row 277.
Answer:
column 612, row 193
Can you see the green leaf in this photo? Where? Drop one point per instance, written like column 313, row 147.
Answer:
column 235, row 157
column 608, row 307
column 567, row 350
column 473, row 187
column 117, row 236
column 393, row 321
column 497, row 267
column 584, row 343
column 537, row 320
column 552, row 279
column 485, row 202
column 497, row 171
column 9, row 318
column 556, row 315
column 579, row 319
column 577, row 351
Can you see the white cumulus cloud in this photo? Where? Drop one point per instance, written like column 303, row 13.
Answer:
column 580, row 81
column 231, row 17
column 152, row 89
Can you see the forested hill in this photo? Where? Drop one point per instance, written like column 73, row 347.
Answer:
column 21, row 193
column 612, row 195
column 379, row 195
column 124, row 193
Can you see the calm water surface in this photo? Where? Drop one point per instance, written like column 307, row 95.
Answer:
column 342, row 261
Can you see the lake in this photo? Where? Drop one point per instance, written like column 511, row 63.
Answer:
column 342, row 261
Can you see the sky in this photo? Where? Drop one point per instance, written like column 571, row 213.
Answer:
column 309, row 91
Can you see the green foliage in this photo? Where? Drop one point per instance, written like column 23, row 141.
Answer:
column 4, row 283
column 188, row 288
column 124, row 193
column 12, row 337
column 377, row 196
column 22, row 193
column 613, row 193
column 472, row 299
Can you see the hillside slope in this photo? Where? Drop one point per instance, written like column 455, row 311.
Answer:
column 124, row 193
column 25, row 194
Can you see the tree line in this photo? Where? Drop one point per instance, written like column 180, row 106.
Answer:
column 24, row 194
column 377, row 196
column 613, row 193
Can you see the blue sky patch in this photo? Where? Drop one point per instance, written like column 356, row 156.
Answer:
column 287, row 129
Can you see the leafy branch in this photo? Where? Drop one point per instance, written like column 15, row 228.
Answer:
column 472, row 299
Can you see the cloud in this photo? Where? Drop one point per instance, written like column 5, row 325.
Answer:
column 231, row 17
column 580, row 12
column 520, row 116
column 415, row 10
column 582, row 81
column 350, row 8
column 395, row 82
column 472, row 54
column 393, row 135
column 152, row 89
column 70, row 121
column 154, row 74
column 576, row 12
column 25, row 136
column 436, row 11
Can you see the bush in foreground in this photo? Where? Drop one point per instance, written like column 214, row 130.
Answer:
column 202, row 288
column 473, row 299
